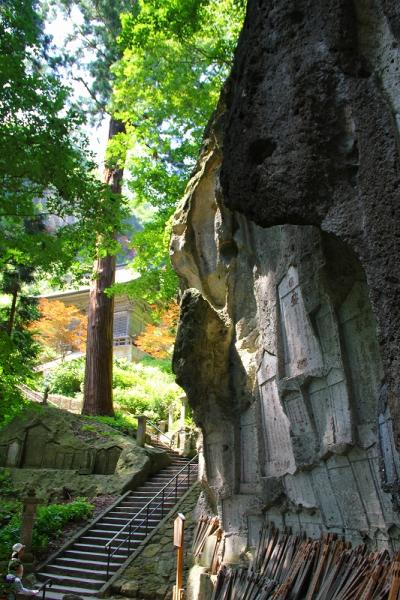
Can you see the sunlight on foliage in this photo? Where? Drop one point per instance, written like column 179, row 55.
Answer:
column 176, row 57
column 158, row 339
column 62, row 327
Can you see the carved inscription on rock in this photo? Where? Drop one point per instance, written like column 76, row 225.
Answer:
column 36, row 441
column 331, row 410
column 304, row 438
column 301, row 347
column 278, row 445
column 13, row 454
column 248, row 449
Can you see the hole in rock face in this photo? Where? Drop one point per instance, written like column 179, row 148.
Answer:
column 296, row 16
column 228, row 250
column 261, row 149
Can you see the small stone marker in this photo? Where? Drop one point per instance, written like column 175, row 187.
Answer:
column 179, row 529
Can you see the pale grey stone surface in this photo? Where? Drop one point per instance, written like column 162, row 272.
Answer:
column 277, row 351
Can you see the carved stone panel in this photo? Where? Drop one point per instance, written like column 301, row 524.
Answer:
column 301, row 347
column 331, row 513
column 304, row 438
column 347, row 493
column 248, row 449
column 278, row 445
column 329, row 336
column 3, row 455
column 389, row 456
column 299, row 490
column 367, row 488
column 13, row 454
column 49, row 458
column 106, row 460
column 36, row 440
column 330, row 405
column 362, row 353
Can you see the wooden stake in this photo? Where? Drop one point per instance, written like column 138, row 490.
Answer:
column 179, row 529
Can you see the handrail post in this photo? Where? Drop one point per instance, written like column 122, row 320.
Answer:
column 176, row 487
column 162, row 503
column 141, row 430
column 129, row 538
column 188, row 474
column 147, row 519
column 108, row 561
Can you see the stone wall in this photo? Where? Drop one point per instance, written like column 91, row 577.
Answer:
column 288, row 338
column 152, row 574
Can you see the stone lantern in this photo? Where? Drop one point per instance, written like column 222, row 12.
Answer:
column 30, row 504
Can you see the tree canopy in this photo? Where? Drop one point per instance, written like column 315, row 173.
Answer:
column 176, row 57
column 51, row 201
column 61, row 327
column 46, row 174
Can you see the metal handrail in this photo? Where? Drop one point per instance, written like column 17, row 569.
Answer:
column 42, row 588
column 161, row 432
column 145, row 508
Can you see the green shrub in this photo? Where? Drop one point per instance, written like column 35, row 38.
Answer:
column 68, row 377
column 6, row 486
column 121, row 422
column 146, row 387
column 50, row 522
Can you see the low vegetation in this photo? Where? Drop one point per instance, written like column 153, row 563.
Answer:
column 146, row 387
column 49, row 524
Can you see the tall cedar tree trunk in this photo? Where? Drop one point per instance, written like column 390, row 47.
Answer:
column 99, row 346
column 13, row 310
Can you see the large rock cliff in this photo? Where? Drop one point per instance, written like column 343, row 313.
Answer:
column 287, row 246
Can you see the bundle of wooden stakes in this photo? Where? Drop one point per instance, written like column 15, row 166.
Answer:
column 293, row 567
column 208, row 530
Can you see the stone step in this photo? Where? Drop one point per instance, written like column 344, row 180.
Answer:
column 102, row 541
column 119, row 556
column 60, row 570
column 137, row 525
column 77, row 562
column 82, row 568
column 61, row 580
column 112, row 527
column 57, row 591
column 119, row 522
column 54, row 595
column 84, row 555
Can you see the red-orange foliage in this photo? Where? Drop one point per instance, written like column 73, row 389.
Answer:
column 158, row 340
column 61, row 326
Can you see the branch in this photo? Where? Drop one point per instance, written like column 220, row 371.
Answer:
column 99, row 105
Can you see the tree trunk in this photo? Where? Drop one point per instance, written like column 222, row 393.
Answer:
column 13, row 310
column 99, row 348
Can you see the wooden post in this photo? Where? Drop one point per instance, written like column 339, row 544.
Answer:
column 179, row 528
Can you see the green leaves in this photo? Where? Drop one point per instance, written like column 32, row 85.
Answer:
column 176, row 56
column 54, row 212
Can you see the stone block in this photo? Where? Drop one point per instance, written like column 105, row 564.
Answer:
column 130, row 589
column 199, row 586
column 151, row 550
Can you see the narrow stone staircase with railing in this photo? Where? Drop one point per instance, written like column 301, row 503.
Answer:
column 85, row 565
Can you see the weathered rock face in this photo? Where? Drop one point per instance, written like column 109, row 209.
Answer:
column 311, row 136
column 50, row 449
column 289, row 325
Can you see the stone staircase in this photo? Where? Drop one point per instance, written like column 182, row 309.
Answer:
column 83, row 566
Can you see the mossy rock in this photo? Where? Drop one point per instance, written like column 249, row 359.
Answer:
column 52, row 450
